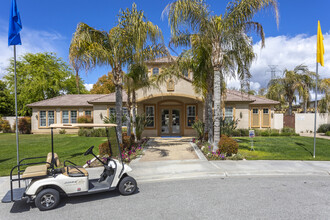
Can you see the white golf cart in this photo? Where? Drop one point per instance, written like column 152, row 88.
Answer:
column 45, row 181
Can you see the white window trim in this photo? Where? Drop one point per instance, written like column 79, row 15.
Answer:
column 153, row 116
column 188, row 116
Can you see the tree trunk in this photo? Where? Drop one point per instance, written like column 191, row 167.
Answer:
column 119, row 107
column 134, row 114
column 217, row 108
column 290, row 107
column 129, row 107
column 305, row 106
column 206, row 116
column 77, row 81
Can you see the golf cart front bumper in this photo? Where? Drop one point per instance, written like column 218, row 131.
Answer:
column 17, row 195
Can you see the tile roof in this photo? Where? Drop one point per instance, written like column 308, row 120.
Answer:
column 67, row 100
column 107, row 98
column 90, row 99
column 233, row 96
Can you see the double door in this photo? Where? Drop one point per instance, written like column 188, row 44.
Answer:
column 170, row 121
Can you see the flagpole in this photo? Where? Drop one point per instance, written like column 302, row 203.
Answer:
column 17, row 146
column 315, row 107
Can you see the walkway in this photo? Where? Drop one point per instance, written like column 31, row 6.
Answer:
column 319, row 135
column 161, row 149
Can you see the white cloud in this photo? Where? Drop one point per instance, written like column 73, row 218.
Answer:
column 88, row 86
column 33, row 41
column 286, row 53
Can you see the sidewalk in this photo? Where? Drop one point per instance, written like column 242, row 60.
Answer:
column 318, row 135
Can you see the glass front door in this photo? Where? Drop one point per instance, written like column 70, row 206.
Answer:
column 170, row 124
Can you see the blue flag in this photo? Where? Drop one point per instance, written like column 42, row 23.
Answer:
column 15, row 25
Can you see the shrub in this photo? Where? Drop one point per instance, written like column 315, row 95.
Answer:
column 327, row 133
column 85, row 119
column 88, row 132
column 287, row 130
column 199, row 128
column 62, row 131
column 99, row 132
column 244, row 132
column 127, row 140
column 265, row 133
column 227, row 145
column 274, row 132
column 104, row 149
column 140, row 123
column 236, row 133
column 323, row 128
column 5, row 126
column 227, row 127
column 24, row 125
column 257, row 132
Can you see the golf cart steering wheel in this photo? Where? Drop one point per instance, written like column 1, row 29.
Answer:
column 89, row 151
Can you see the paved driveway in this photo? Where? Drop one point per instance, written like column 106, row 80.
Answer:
column 169, row 149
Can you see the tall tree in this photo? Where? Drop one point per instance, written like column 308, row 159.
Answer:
column 91, row 47
column 40, row 76
column 285, row 89
column 324, row 104
column 231, row 51
column 145, row 42
column 104, row 85
column 6, row 101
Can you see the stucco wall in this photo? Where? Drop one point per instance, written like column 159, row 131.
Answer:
column 304, row 122
column 277, row 121
column 242, row 110
column 98, row 111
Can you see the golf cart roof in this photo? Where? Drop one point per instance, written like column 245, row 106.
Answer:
column 75, row 126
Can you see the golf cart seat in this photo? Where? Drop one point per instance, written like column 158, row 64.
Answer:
column 74, row 171
column 40, row 170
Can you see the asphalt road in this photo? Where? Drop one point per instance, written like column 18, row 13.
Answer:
column 284, row 197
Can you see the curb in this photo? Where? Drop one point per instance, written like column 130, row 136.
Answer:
column 198, row 151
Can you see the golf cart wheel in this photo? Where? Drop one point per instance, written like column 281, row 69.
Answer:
column 47, row 199
column 127, row 186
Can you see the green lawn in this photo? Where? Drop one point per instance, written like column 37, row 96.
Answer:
column 68, row 147
column 284, row 148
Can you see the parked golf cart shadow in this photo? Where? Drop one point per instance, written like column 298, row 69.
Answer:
column 22, row 206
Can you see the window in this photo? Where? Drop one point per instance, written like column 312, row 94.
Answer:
column 265, row 110
column 65, row 117
column 112, row 112
column 191, row 115
column 51, row 117
column 73, row 116
column 155, row 71
column 150, row 115
column 229, row 114
column 255, row 111
column 42, row 118
column 88, row 113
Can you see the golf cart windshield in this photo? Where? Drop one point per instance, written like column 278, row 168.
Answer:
column 112, row 138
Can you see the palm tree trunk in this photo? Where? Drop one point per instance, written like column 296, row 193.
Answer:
column 217, row 107
column 129, row 107
column 206, row 116
column 305, row 106
column 290, row 107
column 119, row 106
column 134, row 114
column 77, row 81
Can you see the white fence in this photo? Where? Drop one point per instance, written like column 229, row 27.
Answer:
column 304, row 122
column 11, row 120
column 278, row 121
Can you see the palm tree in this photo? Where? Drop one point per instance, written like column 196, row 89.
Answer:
column 306, row 83
column 145, row 43
column 230, row 52
column 293, row 81
column 324, row 104
column 91, row 47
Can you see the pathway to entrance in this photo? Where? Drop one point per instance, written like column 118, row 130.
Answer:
column 169, row 149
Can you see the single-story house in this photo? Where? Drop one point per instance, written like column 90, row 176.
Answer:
column 172, row 107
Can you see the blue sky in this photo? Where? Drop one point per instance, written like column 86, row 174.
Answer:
column 49, row 25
